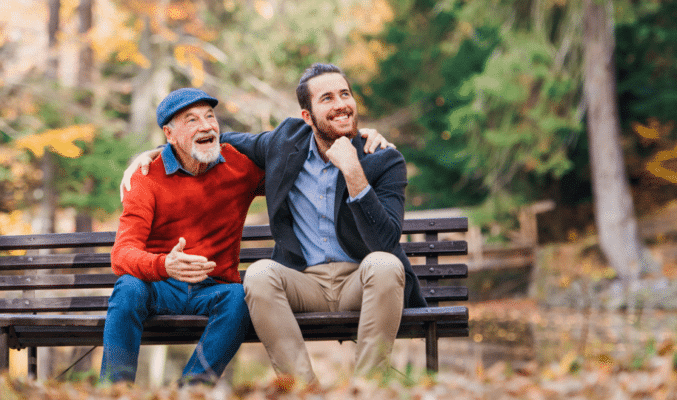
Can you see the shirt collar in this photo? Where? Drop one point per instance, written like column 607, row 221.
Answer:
column 172, row 164
column 313, row 151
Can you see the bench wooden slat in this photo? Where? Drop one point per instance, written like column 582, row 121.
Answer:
column 441, row 271
column 425, row 225
column 178, row 321
column 51, row 261
column 251, row 232
column 54, row 304
column 88, row 281
column 247, row 255
column 445, row 293
column 73, row 336
column 65, row 330
column 57, row 240
column 414, row 249
column 60, row 281
column 100, row 303
column 66, row 337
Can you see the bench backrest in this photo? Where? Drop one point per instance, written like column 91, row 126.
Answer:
column 76, row 276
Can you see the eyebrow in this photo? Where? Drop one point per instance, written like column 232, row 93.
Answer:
column 329, row 92
column 196, row 114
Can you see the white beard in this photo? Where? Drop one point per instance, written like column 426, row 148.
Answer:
column 207, row 156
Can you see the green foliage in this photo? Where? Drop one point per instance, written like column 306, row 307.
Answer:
column 277, row 44
column 91, row 182
column 646, row 59
column 498, row 111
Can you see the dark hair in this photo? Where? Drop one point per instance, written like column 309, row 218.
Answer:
column 317, row 69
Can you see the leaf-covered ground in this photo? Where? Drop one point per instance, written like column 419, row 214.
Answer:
column 592, row 380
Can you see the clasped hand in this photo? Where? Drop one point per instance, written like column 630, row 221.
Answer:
column 186, row 267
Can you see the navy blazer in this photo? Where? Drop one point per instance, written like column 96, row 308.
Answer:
column 373, row 223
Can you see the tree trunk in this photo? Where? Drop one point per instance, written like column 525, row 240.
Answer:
column 143, row 92
column 52, row 30
column 614, row 210
column 86, row 54
column 83, row 220
column 49, row 199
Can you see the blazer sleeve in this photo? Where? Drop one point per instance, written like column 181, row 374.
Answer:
column 379, row 214
column 258, row 146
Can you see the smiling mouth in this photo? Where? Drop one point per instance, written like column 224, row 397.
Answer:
column 206, row 140
column 341, row 117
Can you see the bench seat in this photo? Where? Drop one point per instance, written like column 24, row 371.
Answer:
column 61, row 299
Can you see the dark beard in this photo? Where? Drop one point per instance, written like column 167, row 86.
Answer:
column 330, row 136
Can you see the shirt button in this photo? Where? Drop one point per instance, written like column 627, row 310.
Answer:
column 321, row 197
column 324, row 239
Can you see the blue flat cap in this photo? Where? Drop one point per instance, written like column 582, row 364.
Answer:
column 178, row 100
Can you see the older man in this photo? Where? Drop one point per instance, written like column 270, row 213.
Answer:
column 178, row 242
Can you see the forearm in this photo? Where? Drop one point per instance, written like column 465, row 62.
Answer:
column 127, row 258
column 380, row 211
column 129, row 254
column 356, row 181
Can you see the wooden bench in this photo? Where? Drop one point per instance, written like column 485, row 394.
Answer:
column 60, row 299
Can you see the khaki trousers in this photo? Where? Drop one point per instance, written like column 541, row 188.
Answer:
column 274, row 292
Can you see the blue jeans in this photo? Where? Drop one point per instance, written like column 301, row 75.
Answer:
column 133, row 301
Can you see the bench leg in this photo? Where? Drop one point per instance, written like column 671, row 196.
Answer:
column 4, row 349
column 431, row 352
column 32, row 362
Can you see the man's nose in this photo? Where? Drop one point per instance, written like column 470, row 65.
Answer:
column 339, row 103
column 205, row 125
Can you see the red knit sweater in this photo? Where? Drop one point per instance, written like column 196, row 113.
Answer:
column 208, row 210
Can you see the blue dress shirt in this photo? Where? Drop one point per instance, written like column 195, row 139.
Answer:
column 311, row 201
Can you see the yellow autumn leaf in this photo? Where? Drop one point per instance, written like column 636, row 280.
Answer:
column 645, row 131
column 60, row 140
column 180, row 54
column 67, row 149
column 197, row 71
column 654, row 129
column 129, row 51
column 655, row 165
column 14, row 223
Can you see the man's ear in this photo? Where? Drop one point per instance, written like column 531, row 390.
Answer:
column 168, row 133
column 305, row 114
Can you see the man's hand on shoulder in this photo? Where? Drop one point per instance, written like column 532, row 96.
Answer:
column 186, row 267
column 143, row 160
column 374, row 140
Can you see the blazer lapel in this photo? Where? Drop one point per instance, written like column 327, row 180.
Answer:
column 287, row 176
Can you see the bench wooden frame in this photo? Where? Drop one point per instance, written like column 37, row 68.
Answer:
column 62, row 318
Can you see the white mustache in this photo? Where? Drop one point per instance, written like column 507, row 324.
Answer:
column 212, row 133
